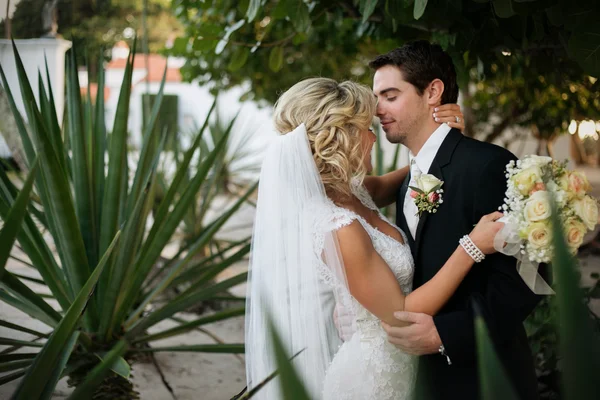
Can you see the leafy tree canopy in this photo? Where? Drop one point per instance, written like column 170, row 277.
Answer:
column 96, row 25
column 513, row 91
column 274, row 43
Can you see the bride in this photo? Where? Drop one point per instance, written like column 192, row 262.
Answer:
column 321, row 244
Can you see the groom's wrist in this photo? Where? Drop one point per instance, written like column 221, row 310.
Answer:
column 441, row 348
column 436, row 341
column 442, row 351
column 457, row 335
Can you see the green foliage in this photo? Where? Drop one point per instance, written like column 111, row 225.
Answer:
column 543, row 340
column 297, row 39
column 167, row 118
column 61, row 343
column 106, row 243
column 494, row 382
column 95, row 26
column 516, row 91
column 293, row 388
column 14, row 219
column 579, row 344
column 571, row 337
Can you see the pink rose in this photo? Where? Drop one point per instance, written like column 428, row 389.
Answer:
column 433, row 197
column 414, row 194
column 537, row 187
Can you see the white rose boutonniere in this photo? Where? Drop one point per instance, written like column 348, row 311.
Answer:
column 427, row 194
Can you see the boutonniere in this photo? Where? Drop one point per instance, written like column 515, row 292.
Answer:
column 427, row 194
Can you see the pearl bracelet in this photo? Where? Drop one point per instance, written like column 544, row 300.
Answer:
column 472, row 250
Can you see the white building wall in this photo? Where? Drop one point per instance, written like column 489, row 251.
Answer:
column 33, row 53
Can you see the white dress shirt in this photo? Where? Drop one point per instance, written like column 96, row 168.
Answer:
column 423, row 161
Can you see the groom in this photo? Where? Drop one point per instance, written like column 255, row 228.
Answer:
column 409, row 83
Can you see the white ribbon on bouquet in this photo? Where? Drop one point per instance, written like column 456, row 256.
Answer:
column 508, row 241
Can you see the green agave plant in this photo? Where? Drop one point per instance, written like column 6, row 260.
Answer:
column 578, row 342
column 227, row 180
column 109, row 235
column 217, row 193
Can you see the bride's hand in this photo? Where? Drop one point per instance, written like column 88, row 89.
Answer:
column 448, row 113
column 485, row 231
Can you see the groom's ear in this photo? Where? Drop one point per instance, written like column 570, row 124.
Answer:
column 434, row 92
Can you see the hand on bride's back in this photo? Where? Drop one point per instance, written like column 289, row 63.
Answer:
column 485, row 231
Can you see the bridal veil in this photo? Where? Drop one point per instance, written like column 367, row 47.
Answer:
column 291, row 253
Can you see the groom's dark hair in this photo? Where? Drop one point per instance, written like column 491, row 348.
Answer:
column 421, row 62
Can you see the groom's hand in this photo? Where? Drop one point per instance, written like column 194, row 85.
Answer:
column 418, row 337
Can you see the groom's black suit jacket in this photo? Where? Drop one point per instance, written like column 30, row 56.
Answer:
column 474, row 185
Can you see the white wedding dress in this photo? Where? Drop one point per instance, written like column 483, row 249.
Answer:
column 297, row 277
column 367, row 367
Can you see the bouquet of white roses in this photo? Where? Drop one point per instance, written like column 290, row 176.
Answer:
column 528, row 233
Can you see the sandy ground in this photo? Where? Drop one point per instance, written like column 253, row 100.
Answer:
column 209, row 376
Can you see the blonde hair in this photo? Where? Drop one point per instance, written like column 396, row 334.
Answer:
column 334, row 115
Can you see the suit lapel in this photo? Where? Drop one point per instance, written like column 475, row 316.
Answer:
column 436, row 171
column 442, row 158
column 400, row 218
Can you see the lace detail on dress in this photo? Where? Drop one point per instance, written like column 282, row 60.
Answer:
column 367, row 367
column 361, row 193
column 327, row 218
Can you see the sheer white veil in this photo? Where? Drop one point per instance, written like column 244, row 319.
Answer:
column 289, row 257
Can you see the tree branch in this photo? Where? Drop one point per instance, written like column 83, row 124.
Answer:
column 505, row 123
column 271, row 44
column 352, row 11
column 498, row 129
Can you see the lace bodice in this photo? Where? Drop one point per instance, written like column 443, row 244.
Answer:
column 397, row 255
column 367, row 367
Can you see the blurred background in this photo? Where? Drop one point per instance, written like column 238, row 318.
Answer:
column 202, row 83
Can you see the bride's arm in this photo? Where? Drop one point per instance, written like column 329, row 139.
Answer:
column 384, row 189
column 374, row 285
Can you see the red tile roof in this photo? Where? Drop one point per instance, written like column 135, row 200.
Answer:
column 94, row 91
column 156, row 66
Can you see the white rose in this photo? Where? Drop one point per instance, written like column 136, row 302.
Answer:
column 526, row 179
column 428, row 182
column 537, row 207
column 535, row 161
column 574, row 232
column 587, row 210
column 539, row 235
